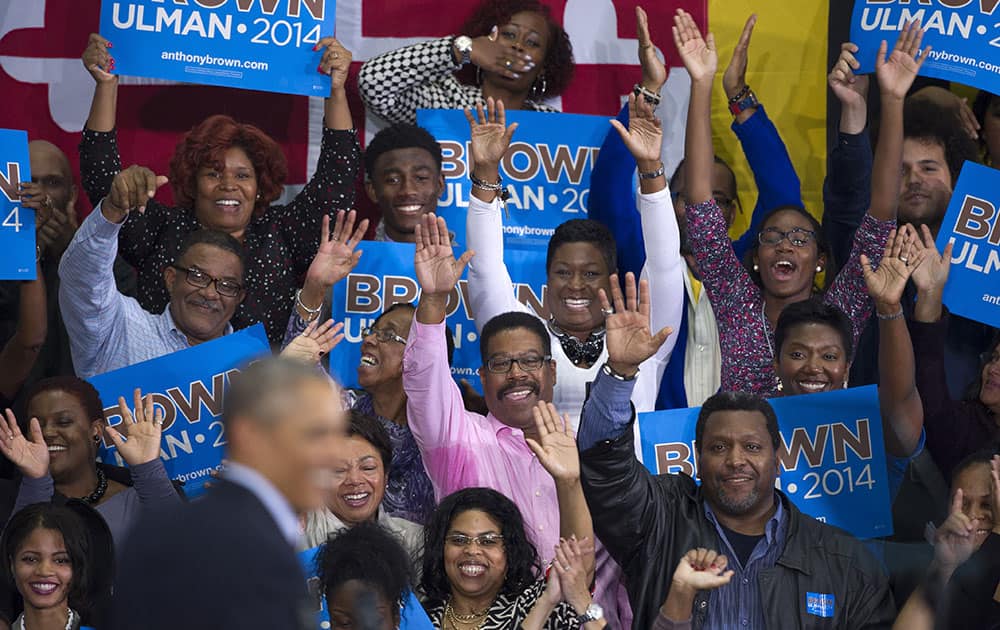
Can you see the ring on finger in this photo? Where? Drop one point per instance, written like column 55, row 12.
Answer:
column 608, row 311
column 905, row 260
column 508, row 63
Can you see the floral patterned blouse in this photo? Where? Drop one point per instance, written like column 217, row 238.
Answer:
column 508, row 612
column 745, row 334
column 280, row 242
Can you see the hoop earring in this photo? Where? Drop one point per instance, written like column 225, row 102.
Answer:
column 536, row 93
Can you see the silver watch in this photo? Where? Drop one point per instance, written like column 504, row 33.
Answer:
column 463, row 44
column 594, row 612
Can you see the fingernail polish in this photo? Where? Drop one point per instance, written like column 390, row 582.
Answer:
column 516, row 75
column 316, row 47
column 319, row 69
column 109, row 45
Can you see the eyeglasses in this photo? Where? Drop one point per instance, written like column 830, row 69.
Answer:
column 485, row 541
column 528, row 363
column 384, row 336
column 722, row 200
column 200, row 279
column 988, row 357
column 797, row 237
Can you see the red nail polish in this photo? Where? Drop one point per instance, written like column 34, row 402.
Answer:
column 109, row 44
column 319, row 69
column 316, row 47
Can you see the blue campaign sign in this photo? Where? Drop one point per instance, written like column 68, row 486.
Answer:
column 385, row 276
column 833, row 463
column 189, row 387
column 411, row 616
column 254, row 44
column 17, row 224
column 973, row 225
column 546, row 170
column 964, row 37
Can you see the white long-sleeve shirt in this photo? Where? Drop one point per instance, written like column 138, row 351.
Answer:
column 491, row 293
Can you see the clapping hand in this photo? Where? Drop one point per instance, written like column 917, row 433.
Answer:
column 336, row 62
column 315, row 341
column 932, row 273
column 886, row 284
column 139, row 439
column 628, row 338
column 698, row 54
column 98, row 61
column 734, row 78
column 131, row 188
column 336, row 256
column 555, row 446
column 644, row 135
column 490, row 134
column 30, row 456
column 849, row 88
column 436, row 268
column 897, row 72
column 702, row 570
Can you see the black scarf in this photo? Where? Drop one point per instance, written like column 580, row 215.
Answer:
column 579, row 352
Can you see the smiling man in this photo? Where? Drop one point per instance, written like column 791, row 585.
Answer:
column 404, row 179
column 791, row 571
column 108, row 330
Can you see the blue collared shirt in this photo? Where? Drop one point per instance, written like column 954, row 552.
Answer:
column 106, row 329
column 275, row 502
column 738, row 604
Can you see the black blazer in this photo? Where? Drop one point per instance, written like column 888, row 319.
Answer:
column 218, row 562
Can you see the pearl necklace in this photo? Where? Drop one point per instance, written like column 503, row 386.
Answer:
column 70, row 619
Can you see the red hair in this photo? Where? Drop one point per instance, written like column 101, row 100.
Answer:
column 207, row 143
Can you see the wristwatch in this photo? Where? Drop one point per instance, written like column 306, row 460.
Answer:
column 593, row 613
column 745, row 102
column 463, row 44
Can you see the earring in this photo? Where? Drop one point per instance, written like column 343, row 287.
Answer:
column 756, row 267
column 780, row 386
column 845, row 384
column 97, row 439
column 819, row 269
column 536, row 93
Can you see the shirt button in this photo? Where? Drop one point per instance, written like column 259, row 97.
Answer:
column 701, row 347
column 538, row 493
column 541, row 528
column 703, row 605
column 746, row 581
column 745, row 623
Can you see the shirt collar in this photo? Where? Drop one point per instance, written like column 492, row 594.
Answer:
column 172, row 329
column 771, row 528
column 275, row 503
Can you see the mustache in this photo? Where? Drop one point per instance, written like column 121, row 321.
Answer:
column 196, row 301
column 506, row 388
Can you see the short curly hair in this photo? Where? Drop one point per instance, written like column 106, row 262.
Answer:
column 400, row 136
column 558, row 64
column 370, row 554
column 930, row 123
column 207, row 143
column 523, row 565
column 83, row 391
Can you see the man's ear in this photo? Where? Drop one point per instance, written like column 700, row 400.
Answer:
column 441, row 185
column 169, row 277
column 370, row 189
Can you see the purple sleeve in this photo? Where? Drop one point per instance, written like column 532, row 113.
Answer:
column 662, row 623
column 726, row 281
column 34, row 491
column 152, row 484
column 848, row 291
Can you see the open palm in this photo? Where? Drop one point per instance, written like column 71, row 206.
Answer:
column 932, row 273
column 644, row 135
column 436, row 268
column 887, row 283
column 897, row 72
column 698, row 54
column 555, row 446
column 628, row 337
column 30, row 456
column 137, row 437
column 489, row 132
column 336, row 256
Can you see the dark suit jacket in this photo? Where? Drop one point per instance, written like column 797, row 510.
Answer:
column 218, row 562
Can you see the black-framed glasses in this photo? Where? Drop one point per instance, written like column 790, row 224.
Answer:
column 200, row 279
column 528, row 363
column 485, row 541
column 384, row 336
column 989, row 357
column 797, row 237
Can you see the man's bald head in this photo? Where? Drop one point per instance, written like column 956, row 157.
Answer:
column 50, row 167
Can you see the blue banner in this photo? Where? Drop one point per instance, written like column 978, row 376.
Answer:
column 17, row 224
column 833, row 464
column 964, row 37
column 189, row 387
column 411, row 617
column 385, row 276
column 972, row 223
column 253, row 44
column 546, row 170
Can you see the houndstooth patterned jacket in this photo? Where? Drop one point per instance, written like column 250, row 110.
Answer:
column 398, row 83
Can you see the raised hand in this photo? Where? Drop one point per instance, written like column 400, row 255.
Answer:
column 555, row 446
column 644, row 135
column 98, row 61
column 886, row 284
column 336, row 256
column 336, row 62
column 932, row 273
column 139, row 439
column 954, row 541
column 698, row 54
column 495, row 56
column 896, row 73
column 490, row 133
column 654, row 71
column 131, row 189
column 734, row 78
column 628, row 338
column 30, row 456
column 702, row 570
column 849, row 88
column 436, row 268
column 314, row 342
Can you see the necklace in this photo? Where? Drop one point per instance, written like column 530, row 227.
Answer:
column 579, row 352
column 476, row 618
column 70, row 619
column 98, row 493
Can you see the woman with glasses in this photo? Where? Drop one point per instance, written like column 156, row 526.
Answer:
column 480, row 568
column 790, row 253
column 225, row 175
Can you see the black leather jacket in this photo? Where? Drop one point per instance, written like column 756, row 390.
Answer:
column 648, row 522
